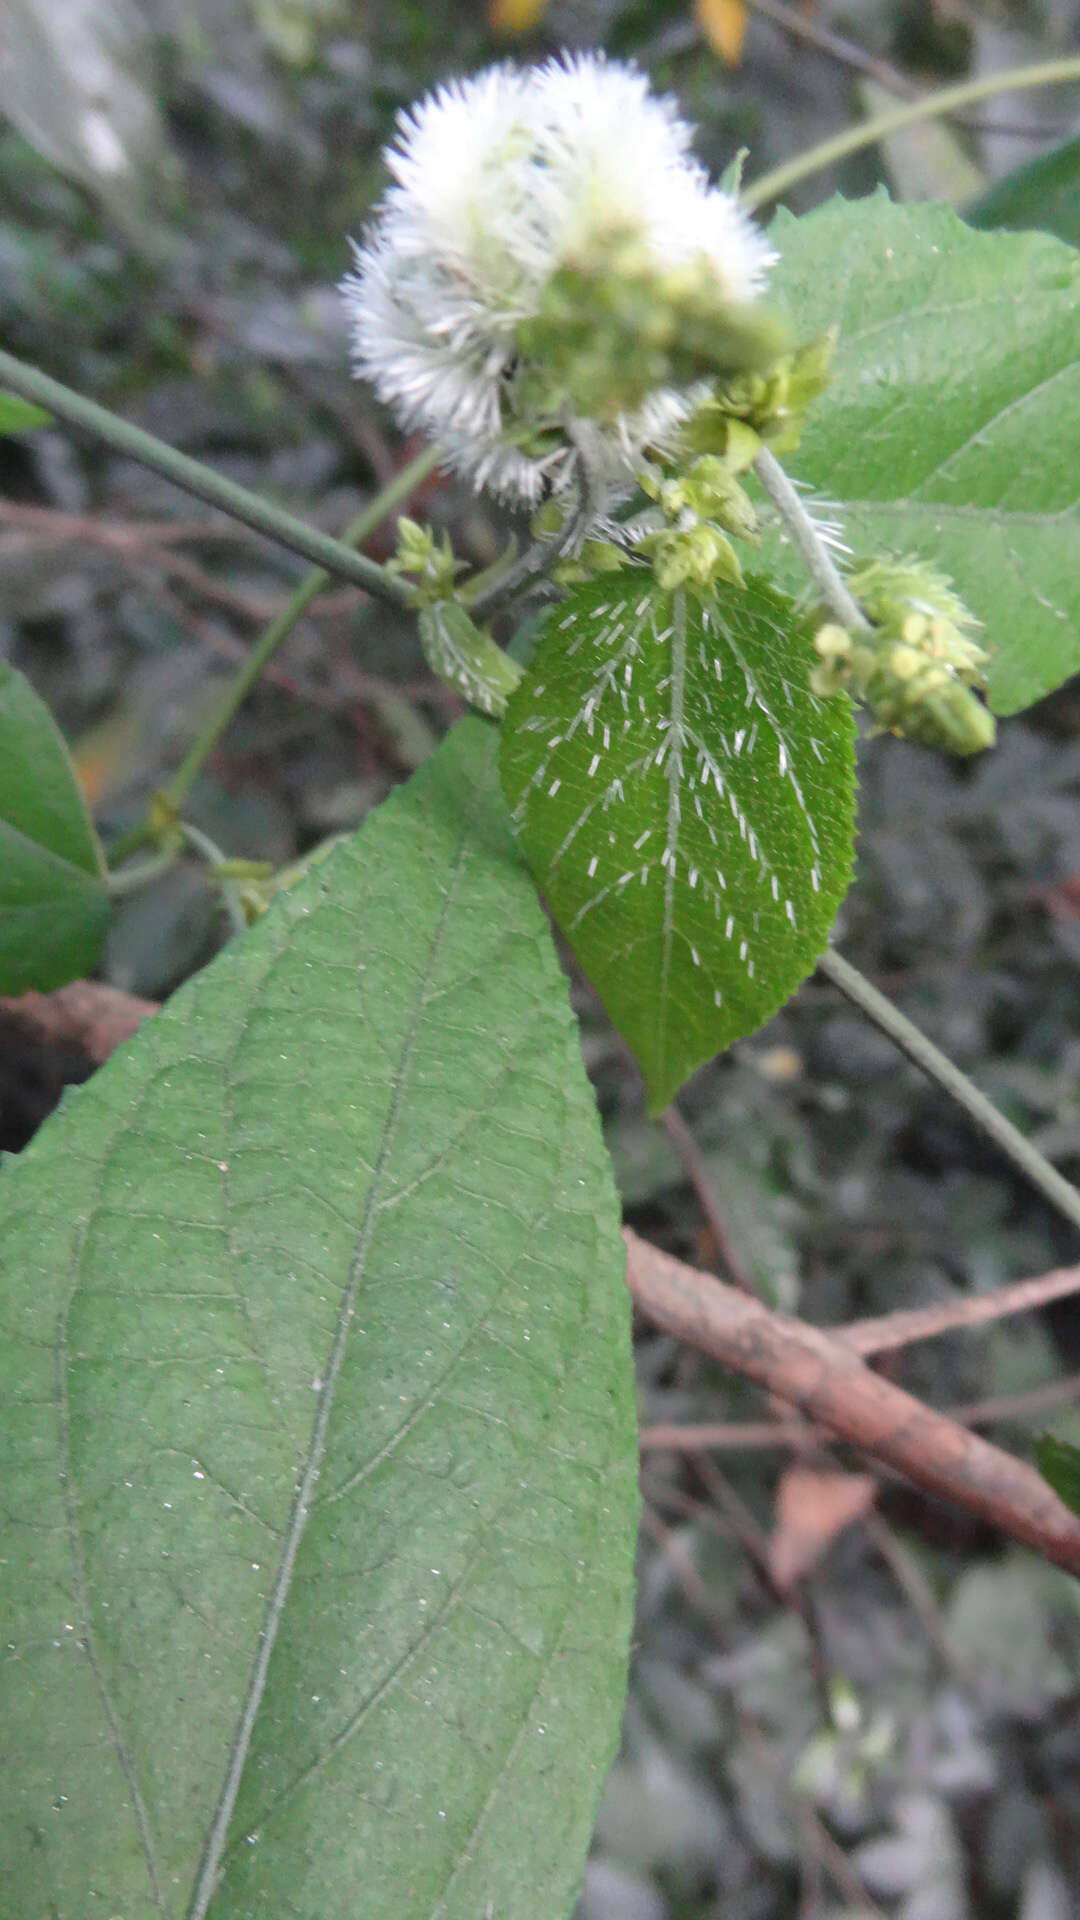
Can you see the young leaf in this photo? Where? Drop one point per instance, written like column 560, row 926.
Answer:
column 53, row 904
column 949, row 427
column 18, row 415
column 319, row 1488
column 1059, row 1463
column 687, row 806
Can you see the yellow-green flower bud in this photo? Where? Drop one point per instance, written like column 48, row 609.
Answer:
column 433, row 563
column 694, row 556
column 762, row 406
column 833, row 642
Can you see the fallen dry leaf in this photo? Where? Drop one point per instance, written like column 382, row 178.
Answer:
column 515, row 16
column 85, row 1014
column 813, row 1505
column 723, row 22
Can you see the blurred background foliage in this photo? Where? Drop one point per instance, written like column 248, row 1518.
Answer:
column 844, row 1700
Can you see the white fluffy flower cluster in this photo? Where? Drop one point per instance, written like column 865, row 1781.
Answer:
column 498, row 181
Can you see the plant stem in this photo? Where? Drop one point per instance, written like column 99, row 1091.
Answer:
column 537, row 561
column 215, row 860
column 1047, row 73
column 901, row 1031
column 143, row 873
column 823, row 569
column 313, row 583
column 202, row 481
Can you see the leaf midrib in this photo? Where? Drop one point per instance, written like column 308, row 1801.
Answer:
column 673, row 767
column 88, row 877
column 207, row 1878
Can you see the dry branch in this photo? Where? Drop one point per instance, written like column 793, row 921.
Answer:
column 893, row 1330
column 829, row 1382
column 697, row 1173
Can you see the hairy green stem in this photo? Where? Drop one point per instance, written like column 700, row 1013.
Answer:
column 389, row 497
column 1048, row 73
column 200, row 480
column 904, row 1034
column 823, row 570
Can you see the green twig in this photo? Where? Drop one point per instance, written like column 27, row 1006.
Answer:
column 202, row 481
column 1048, row 73
column 901, row 1031
column 217, row 862
column 281, row 626
column 142, row 873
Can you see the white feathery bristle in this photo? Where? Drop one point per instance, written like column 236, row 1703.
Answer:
column 496, row 181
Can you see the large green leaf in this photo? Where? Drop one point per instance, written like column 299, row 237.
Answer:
column 319, row 1456
column 53, row 904
column 687, row 806
column 1044, row 194
column 951, row 427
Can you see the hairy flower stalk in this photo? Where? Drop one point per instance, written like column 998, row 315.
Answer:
column 551, row 278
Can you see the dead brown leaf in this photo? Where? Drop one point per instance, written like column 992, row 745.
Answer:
column 813, row 1506
column 85, row 1014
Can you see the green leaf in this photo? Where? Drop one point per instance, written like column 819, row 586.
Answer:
column 1059, row 1463
column 686, row 805
column 1044, row 194
column 467, row 658
column 53, row 904
column 949, row 429
column 18, row 415
column 319, row 1482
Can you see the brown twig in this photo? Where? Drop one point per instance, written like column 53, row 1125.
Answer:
column 125, row 536
column 732, row 1520
column 892, row 1330
column 718, row 1436
column 919, row 1595
column 796, row 1594
column 256, row 607
column 803, row 26
column 349, row 682
column 830, row 1383
column 693, row 1586
column 729, row 1437
column 697, row 1173
column 831, row 1854
column 1017, row 1406
column 152, row 542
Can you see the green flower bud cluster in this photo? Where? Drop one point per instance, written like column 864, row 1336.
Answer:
column 919, row 666
column 763, row 406
column 614, row 329
column 697, row 510
column 709, row 490
column 431, row 560
column 693, row 556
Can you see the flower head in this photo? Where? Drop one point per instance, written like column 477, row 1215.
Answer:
column 501, row 183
